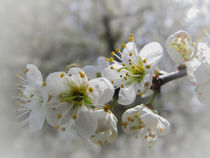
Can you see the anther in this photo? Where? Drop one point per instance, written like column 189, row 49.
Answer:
column 63, row 129
column 117, row 50
column 26, row 70
column 113, row 53
column 111, row 67
column 123, row 45
column 131, row 35
column 59, row 116
column 82, row 75
column 56, row 126
column 130, row 54
column 111, row 59
column 148, row 66
column 44, row 84
column 122, row 86
column 90, row 89
column 74, row 116
column 131, row 39
column 61, row 75
column 145, row 60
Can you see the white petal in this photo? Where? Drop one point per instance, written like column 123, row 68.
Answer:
column 127, row 95
column 203, row 92
column 55, row 108
column 78, row 74
column 163, row 126
column 114, row 74
column 103, row 90
column 36, row 118
column 202, row 73
column 173, row 53
column 192, row 66
column 33, row 75
column 129, row 126
column 57, row 84
column 86, row 122
column 153, row 53
column 91, row 71
column 130, row 48
column 102, row 63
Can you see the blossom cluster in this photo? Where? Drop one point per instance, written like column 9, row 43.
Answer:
column 81, row 100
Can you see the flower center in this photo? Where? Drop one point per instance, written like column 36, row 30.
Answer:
column 183, row 45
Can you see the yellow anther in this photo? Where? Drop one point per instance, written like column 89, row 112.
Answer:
column 123, row 64
column 131, row 35
column 129, row 60
column 74, row 116
column 130, row 54
column 82, row 75
column 31, row 95
column 90, row 89
column 63, row 129
column 111, row 59
column 56, row 126
column 125, row 78
column 117, row 50
column 59, row 116
column 44, row 83
column 112, row 81
column 126, row 74
column 120, row 75
column 61, row 75
column 111, row 67
column 107, row 107
column 53, row 108
column 130, row 119
column 161, row 129
column 124, row 124
column 131, row 39
column 105, row 58
column 145, row 60
column 122, row 86
column 26, row 70
column 113, row 53
column 148, row 66
column 123, row 45
column 79, row 103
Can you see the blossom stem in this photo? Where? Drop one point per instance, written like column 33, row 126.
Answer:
column 153, row 98
column 158, row 81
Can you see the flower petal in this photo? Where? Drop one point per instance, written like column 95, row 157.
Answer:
column 91, row 71
column 85, row 122
column 163, row 126
column 153, row 53
column 130, row 48
column 36, row 118
column 33, row 75
column 127, row 95
column 113, row 74
column 102, row 63
column 57, row 83
column 103, row 90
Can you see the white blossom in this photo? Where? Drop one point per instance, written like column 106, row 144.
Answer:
column 144, row 122
column 180, row 47
column 33, row 98
column 106, row 131
column 72, row 99
column 134, row 70
column 94, row 71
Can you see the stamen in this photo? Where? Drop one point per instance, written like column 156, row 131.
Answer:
column 59, row 116
column 90, row 89
column 148, row 66
column 74, row 116
column 44, row 84
column 26, row 70
column 123, row 45
column 82, row 75
column 107, row 107
column 111, row 67
column 122, row 86
column 113, row 53
column 130, row 54
column 63, row 129
column 61, row 75
column 117, row 50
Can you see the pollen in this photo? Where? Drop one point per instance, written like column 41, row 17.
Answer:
column 63, row 129
column 107, row 107
column 131, row 39
column 44, row 84
column 59, row 116
column 90, row 89
column 161, row 129
column 123, row 45
column 130, row 54
column 113, row 53
column 148, row 66
column 26, row 70
column 56, row 126
column 82, row 75
column 74, row 116
column 61, row 75
column 111, row 59
column 122, row 86
column 111, row 67
column 117, row 50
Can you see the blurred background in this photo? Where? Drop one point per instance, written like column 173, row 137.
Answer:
column 52, row 34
